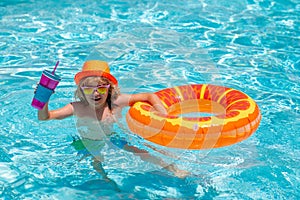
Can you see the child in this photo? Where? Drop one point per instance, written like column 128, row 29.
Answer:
column 99, row 105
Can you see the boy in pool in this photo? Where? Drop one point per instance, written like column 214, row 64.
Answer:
column 100, row 103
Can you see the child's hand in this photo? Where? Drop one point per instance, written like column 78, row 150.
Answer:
column 36, row 86
column 160, row 108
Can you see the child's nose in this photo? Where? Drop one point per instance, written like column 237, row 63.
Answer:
column 95, row 92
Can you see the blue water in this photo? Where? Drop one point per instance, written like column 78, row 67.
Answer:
column 249, row 45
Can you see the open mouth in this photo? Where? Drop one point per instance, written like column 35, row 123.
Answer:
column 97, row 99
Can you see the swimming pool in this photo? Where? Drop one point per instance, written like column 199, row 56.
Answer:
column 249, row 45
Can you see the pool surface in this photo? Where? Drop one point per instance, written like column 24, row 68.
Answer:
column 249, row 45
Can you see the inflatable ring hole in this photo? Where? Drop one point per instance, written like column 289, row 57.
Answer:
column 196, row 114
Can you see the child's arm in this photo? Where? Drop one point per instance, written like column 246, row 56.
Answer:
column 128, row 100
column 61, row 113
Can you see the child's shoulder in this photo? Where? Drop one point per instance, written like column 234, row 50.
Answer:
column 121, row 100
column 77, row 105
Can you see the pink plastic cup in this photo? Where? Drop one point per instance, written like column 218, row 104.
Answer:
column 45, row 89
column 49, row 80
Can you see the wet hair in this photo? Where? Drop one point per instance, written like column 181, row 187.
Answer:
column 113, row 90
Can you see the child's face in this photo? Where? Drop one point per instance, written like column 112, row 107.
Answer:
column 95, row 92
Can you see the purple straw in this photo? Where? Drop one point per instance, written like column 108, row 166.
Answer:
column 55, row 67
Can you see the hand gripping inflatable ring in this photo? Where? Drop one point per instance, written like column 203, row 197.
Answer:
column 234, row 116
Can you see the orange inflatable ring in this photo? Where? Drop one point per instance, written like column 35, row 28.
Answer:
column 234, row 116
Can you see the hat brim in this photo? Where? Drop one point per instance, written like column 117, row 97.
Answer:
column 80, row 75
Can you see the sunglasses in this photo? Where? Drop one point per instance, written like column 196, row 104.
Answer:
column 101, row 89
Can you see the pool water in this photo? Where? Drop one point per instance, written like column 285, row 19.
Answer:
column 249, row 45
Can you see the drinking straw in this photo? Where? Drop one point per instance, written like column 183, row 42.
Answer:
column 55, row 67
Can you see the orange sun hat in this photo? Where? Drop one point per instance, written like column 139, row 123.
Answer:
column 95, row 68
